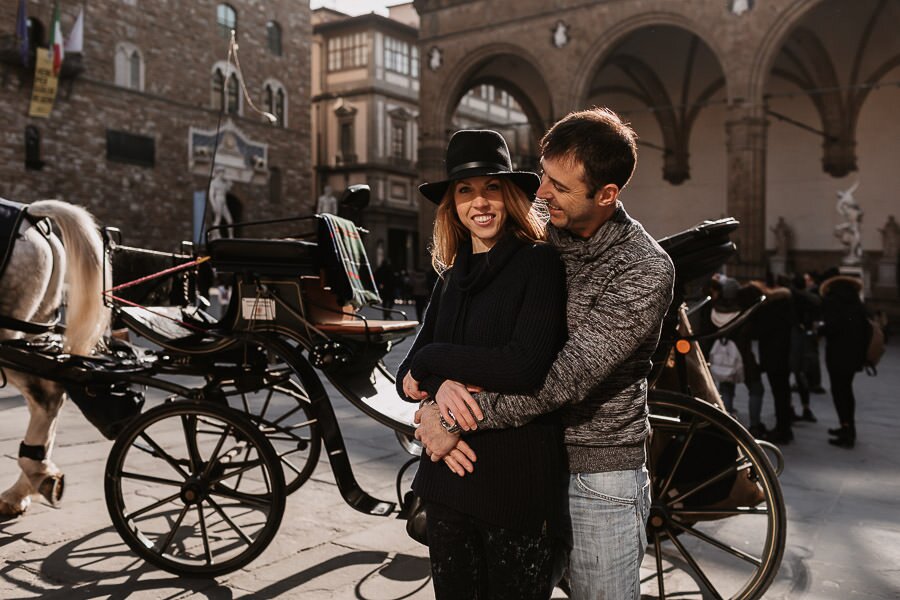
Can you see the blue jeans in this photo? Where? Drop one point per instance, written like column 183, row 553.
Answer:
column 604, row 526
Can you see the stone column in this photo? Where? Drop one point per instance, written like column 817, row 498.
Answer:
column 432, row 147
column 746, row 147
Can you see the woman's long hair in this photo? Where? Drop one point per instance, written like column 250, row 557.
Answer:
column 526, row 221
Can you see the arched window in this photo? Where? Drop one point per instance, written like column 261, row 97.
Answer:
column 273, row 33
column 232, row 95
column 225, row 89
column 275, row 100
column 226, row 18
column 35, row 34
column 218, row 89
column 129, row 66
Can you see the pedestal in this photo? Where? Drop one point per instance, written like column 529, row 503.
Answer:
column 862, row 274
column 778, row 265
column 887, row 279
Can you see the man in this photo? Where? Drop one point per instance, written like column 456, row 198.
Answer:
column 619, row 288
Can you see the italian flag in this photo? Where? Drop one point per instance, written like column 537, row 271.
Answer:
column 56, row 41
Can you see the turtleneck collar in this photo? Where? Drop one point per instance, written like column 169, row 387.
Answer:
column 474, row 275
column 616, row 228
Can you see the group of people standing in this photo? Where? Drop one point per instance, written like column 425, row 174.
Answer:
column 794, row 315
column 531, row 367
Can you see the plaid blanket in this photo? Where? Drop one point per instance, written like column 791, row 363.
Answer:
column 347, row 265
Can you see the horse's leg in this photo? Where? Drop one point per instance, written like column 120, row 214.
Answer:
column 39, row 475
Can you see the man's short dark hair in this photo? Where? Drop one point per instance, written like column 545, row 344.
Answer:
column 598, row 139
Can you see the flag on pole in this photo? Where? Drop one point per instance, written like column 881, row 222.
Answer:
column 75, row 41
column 22, row 31
column 56, row 41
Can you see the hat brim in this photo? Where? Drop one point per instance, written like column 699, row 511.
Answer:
column 526, row 181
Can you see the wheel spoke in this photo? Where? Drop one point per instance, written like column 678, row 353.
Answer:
column 204, row 534
column 723, row 512
column 228, row 520
column 168, row 539
column 238, row 469
column 681, row 452
column 742, row 463
column 150, row 507
column 690, row 560
column 189, row 425
column 718, row 544
column 659, row 567
column 260, row 501
column 214, row 456
column 163, row 454
column 265, row 406
column 150, row 479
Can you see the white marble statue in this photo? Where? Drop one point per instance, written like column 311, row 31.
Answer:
column 849, row 231
column 782, row 237
column 890, row 239
column 327, row 203
column 218, row 200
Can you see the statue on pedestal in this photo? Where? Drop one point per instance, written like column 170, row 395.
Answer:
column 849, row 231
column 782, row 238
column 890, row 240
column 218, row 200
column 327, row 203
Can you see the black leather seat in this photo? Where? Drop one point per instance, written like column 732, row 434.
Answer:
column 290, row 258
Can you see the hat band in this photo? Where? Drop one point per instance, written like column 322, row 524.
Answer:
column 477, row 165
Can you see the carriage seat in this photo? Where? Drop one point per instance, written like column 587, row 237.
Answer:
column 699, row 251
column 283, row 257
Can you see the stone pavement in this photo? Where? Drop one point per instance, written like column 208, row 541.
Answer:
column 843, row 519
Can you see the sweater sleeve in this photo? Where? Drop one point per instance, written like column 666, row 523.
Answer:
column 424, row 338
column 618, row 324
column 520, row 364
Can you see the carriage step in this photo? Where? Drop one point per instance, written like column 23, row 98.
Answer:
column 365, row 503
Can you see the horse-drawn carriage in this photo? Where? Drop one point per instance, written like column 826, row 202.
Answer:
column 197, row 483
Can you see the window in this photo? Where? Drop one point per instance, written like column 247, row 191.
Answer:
column 273, row 34
column 35, row 35
column 129, row 148
column 33, row 148
column 348, row 51
column 226, row 19
column 218, row 89
column 129, row 66
column 401, row 57
column 275, row 101
column 347, row 145
column 232, row 95
column 398, row 138
column 225, row 91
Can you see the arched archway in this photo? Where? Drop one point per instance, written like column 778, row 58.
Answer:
column 671, row 86
column 830, row 96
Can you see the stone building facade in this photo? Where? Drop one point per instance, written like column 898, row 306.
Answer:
column 756, row 110
column 132, row 131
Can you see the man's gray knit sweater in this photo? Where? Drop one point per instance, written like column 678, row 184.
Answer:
column 619, row 288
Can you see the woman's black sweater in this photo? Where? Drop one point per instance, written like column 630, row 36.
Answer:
column 497, row 322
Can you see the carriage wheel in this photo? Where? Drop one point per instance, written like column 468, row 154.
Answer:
column 194, row 488
column 278, row 402
column 717, row 520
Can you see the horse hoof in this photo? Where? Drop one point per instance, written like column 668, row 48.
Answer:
column 52, row 487
column 11, row 511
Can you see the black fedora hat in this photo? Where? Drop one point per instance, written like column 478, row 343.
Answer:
column 479, row 153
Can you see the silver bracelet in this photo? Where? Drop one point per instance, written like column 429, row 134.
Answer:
column 454, row 428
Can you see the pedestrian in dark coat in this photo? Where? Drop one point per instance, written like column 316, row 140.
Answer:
column 774, row 321
column 845, row 329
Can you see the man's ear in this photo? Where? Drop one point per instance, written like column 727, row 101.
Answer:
column 607, row 195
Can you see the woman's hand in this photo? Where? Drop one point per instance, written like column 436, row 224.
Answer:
column 456, row 404
column 411, row 388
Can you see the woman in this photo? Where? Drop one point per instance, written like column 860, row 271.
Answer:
column 845, row 323
column 495, row 321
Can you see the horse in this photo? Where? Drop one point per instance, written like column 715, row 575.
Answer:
column 32, row 289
